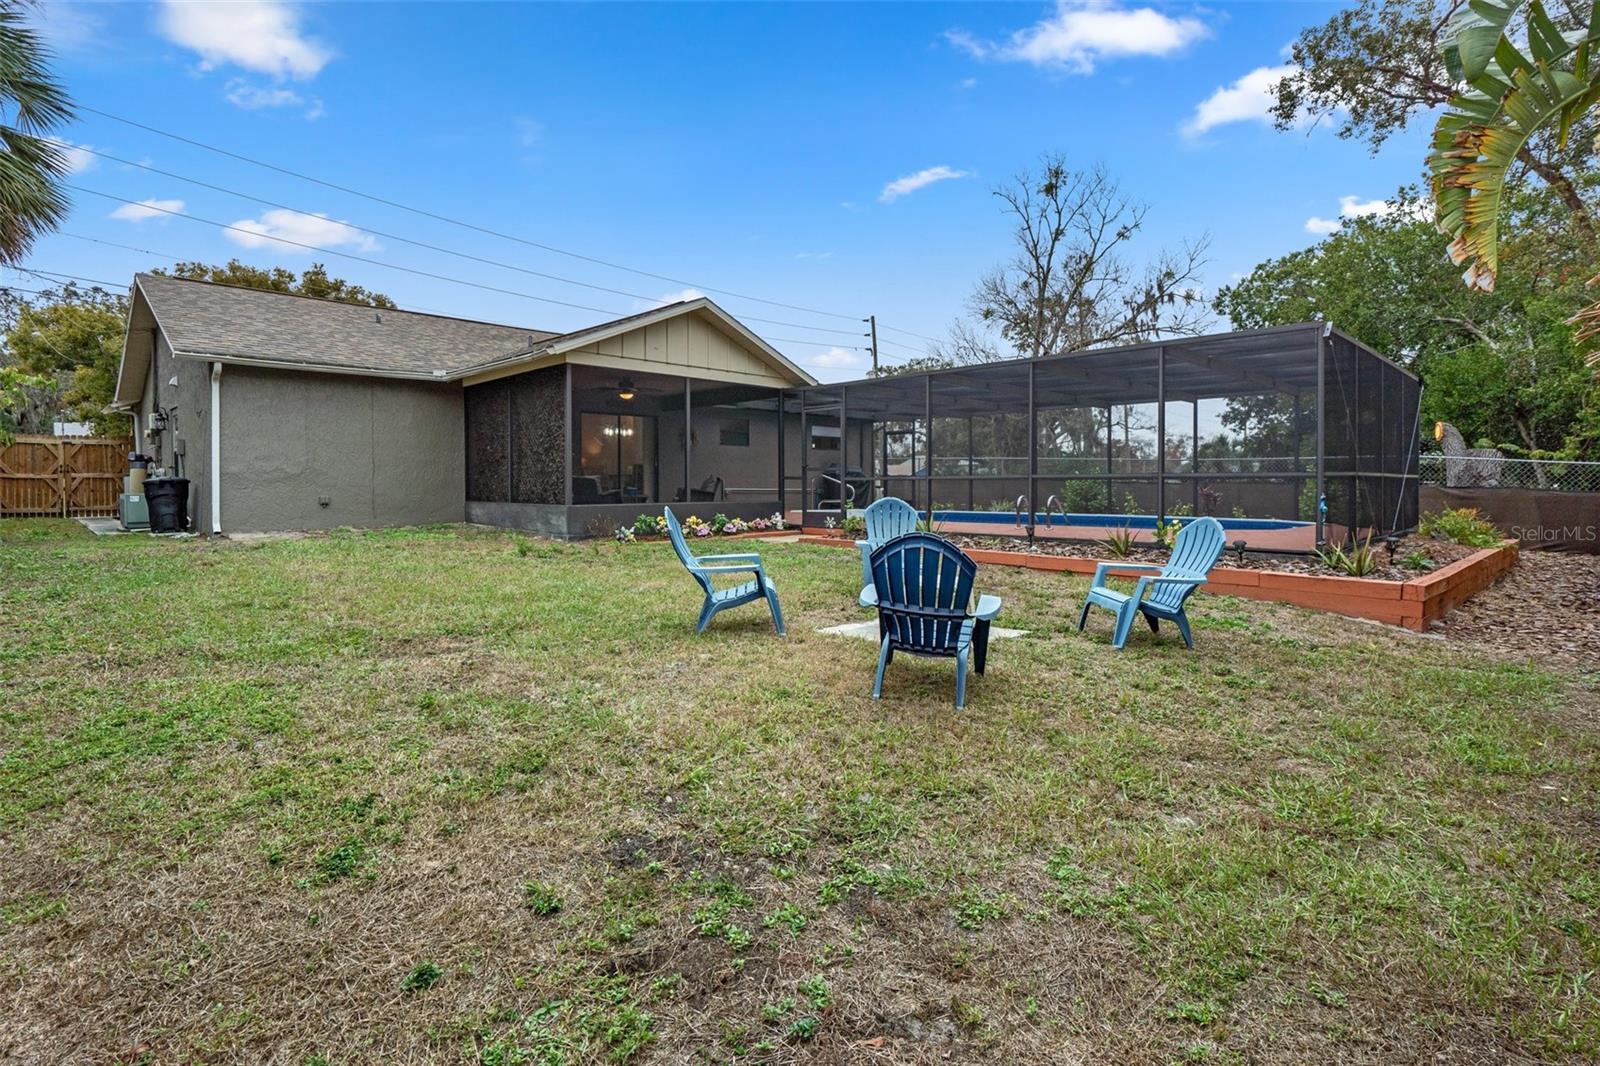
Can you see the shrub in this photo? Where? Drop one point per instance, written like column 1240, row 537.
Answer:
column 649, row 525
column 1167, row 532
column 1461, row 525
column 854, row 526
column 1359, row 561
column 1119, row 542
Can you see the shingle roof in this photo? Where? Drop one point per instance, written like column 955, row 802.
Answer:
column 204, row 318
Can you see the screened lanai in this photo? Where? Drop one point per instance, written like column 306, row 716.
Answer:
column 1293, row 437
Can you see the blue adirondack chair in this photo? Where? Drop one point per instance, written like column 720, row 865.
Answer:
column 704, row 567
column 887, row 519
column 924, row 597
column 1194, row 553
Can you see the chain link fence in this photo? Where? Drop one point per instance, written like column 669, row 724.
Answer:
column 1552, row 475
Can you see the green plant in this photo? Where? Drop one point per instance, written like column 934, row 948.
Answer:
column 1461, row 525
column 1519, row 80
column 1418, row 560
column 974, row 909
column 815, row 989
column 423, row 975
column 648, row 525
column 1119, row 542
column 1359, row 561
column 1166, row 532
column 540, row 898
column 1130, row 505
column 854, row 526
column 1082, row 497
column 804, row 1028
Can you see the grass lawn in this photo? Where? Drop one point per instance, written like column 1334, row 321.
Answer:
column 457, row 796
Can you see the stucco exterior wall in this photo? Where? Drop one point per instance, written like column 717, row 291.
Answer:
column 318, row 451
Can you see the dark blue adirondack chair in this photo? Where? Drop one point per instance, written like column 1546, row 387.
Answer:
column 886, row 519
column 1194, row 553
column 704, row 567
column 924, row 597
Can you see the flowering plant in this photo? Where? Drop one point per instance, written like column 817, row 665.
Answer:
column 655, row 525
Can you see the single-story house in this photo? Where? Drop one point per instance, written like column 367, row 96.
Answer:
column 289, row 412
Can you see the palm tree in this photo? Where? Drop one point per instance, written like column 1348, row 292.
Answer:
column 1511, row 93
column 32, row 164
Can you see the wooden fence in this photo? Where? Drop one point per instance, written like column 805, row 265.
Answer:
column 67, row 476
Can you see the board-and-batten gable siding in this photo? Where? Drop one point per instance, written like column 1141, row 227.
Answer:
column 685, row 344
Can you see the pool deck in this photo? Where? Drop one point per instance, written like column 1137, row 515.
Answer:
column 1296, row 539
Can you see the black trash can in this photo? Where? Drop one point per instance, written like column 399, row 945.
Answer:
column 168, row 500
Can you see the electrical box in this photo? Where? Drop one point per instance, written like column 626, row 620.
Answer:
column 132, row 511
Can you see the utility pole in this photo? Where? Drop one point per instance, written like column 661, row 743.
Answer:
column 872, row 324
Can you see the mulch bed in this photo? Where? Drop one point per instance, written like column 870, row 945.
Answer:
column 1547, row 606
column 1441, row 552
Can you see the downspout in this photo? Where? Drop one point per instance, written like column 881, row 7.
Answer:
column 216, row 448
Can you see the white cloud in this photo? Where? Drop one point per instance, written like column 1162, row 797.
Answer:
column 1249, row 99
column 1083, row 32
column 838, row 357
column 250, row 97
column 243, row 94
column 1355, row 207
column 681, row 296
column 912, row 182
column 145, row 209
column 969, row 83
column 259, row 35
column 78, row 156
column 278, row 225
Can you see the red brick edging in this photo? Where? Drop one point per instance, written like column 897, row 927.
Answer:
column 1413, row 604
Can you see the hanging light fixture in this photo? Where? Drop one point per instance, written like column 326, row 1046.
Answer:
column 625, row 389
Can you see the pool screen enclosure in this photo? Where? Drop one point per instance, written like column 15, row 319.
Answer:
column 1294, row 437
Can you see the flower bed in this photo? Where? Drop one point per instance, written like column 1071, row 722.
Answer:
column 1415, row 603
column 654, row 527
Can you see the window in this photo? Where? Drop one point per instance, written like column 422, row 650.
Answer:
column 735, row 433
column 824, row 438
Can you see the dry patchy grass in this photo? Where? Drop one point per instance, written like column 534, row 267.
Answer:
column 420, row 796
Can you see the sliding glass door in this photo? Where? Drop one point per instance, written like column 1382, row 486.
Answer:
column 616, row 459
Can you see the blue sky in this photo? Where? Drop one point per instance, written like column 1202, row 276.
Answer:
column 835, row 157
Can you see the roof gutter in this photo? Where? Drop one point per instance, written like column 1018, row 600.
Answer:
column 316, row 368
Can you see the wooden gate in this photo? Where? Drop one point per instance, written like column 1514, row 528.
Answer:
column 67, row 476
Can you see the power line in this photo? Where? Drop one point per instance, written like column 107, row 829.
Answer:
column 439, row 248
column 166, row 255
column 458, row 222
column 52, row 274
column 909, row 333
column 47, row 274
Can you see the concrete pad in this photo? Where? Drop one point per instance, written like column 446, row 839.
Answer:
column 869, row 631
column 103, row 527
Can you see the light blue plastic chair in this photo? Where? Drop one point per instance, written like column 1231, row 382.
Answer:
column 760, row 587
column 886, row 519
column 924, row 599
column 1194, row 553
